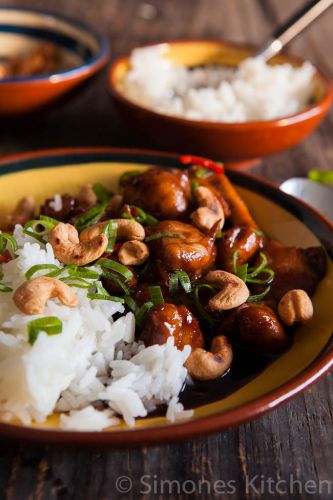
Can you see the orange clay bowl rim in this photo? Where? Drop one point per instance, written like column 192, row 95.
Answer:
column 189, row 429
column 318, row 108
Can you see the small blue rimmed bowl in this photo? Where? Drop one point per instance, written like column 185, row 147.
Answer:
column 81, row 53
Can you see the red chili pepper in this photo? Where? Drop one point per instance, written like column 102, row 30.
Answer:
column 134, row 212
column 203, row 162
column 4, row 259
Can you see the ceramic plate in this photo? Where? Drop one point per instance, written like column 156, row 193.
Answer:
column 280, row 215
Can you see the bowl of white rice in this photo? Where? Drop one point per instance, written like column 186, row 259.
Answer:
column 212, row 98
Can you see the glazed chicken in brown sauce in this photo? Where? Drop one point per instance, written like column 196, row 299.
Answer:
column 187, row 257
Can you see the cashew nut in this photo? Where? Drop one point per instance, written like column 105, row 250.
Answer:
column 210, row 210
column 208, row 365
column 126, row 230
column 87, row 196
column 23, row 212
column 133, row 253
column 68, row 248
column 233, row 291
column 32, row 295
column 295, row 307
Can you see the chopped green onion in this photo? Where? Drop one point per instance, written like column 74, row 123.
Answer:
column 142, row 312
column 35, row 235
column 240, row 271
column 142, row 217
column 323, row 176
column 91, row 217
column 173, row 283
column 260, row 296
column 81, row 272
column 6, row 239
column 130, row 302
column 194, row 185
column 201, row 309
column 257, row 270
column 39, row 267
column 116, row 267
column 102, row 193
column 110, row 230
column 40, row 227
column 156, row 295
column 264, row 281
column 202, row 172
column 102, row 294
column 116, row 280
column 219, row 234
column 99, row 296
column 1, row 275
column 45, row 218
column 76, row 282
column 5, row 288
column 183, row 279
column 51, row 325
column 159, row 236
column 145, row 268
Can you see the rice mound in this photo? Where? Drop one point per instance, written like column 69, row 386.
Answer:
column 255, row 91
column 95, row 359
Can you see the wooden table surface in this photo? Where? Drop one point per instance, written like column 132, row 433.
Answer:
column 292, row 444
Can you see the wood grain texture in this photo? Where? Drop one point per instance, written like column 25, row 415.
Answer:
column 293, row 443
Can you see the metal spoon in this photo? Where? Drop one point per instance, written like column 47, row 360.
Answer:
column 292, row 27
column 313, row 193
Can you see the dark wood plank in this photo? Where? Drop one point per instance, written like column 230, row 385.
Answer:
column 292, row 443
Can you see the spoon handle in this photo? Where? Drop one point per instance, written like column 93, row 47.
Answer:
column 292, row 27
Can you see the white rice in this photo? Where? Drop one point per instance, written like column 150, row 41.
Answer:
column 255, row 91
column 95, row 358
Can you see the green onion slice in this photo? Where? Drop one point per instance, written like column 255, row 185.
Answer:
column 91, row 217
column 5, row 288
column 102, row 193
column 50, row 220
column 260, row 296
column 142, row 312
column 116, row 267
column 142, row 217
column 156, row 295
column 130, row 302
column 201, row 309
column 100, row 296
column 5, row 240
column 183, row 279
column 159, row 236
column 110, row 230
column 40, row 267
column 323, row 176
column 116, row 280
column 254, row 272
column 51, row 325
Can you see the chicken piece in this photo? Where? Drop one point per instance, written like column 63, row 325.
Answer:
column 243, row 239
column 168, row 319
column 193, row 252
column 256, row 327
column 163, row 193
column 295, row 268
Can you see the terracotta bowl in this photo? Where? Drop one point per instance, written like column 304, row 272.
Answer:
column 231, row 142
column 82, row 53
column 283, row 217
